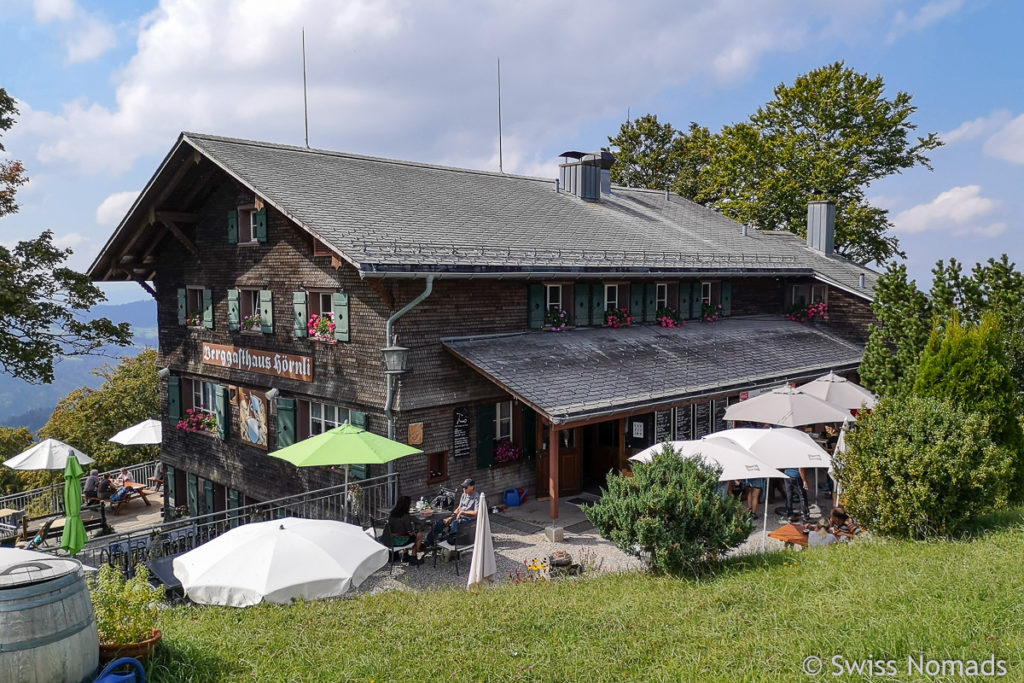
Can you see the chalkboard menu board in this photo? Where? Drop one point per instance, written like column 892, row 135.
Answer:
column 684, row 423
column 662, row 426
column 702, row 420
column 720, row 407
column 460, row 433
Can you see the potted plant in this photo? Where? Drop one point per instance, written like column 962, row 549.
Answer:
column 250, row 322
column 618, row 317
column 556, row 319
column 126, row 613
column 321, row 327
column 710, row 313
column 669, row 317
column 506, row 452
column 194, row 320
column 197, row 421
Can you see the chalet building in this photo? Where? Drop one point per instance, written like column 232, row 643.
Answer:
column 246, row 245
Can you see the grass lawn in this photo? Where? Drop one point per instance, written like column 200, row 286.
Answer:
column 756, row 619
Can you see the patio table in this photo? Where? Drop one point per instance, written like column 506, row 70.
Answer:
column 790, row 534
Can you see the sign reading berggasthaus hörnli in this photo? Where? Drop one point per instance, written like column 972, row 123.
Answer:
column 263, row 362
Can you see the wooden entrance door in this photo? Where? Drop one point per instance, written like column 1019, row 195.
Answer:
column 569, row 459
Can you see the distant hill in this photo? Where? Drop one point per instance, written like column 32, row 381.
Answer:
column 29, row 405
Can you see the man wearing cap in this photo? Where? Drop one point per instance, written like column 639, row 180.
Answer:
column 465, row 513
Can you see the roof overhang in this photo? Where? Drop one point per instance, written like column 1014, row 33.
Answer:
column 591, row 374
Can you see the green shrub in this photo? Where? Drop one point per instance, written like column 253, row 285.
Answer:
column 920, row 467
column 125, row 610
column 670, row 513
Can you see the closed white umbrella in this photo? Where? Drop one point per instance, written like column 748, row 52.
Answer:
column 50, row 454
column 735, row 461
column 841, row 449
column 483, row 567
column 279, row 561
column 840, row 392
column 787, row 407
column 146, row 433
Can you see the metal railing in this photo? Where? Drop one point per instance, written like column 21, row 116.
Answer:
column 55, row 492
column 364, row 501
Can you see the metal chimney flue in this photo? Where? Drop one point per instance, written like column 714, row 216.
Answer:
column 821, row 226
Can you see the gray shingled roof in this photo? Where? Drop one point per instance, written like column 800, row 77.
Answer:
column 586, row 372
column 386, row 215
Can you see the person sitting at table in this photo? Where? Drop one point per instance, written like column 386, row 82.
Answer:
column 106, row 487
column 845, row 527
column 403, row 530
column 465, row 513
column 125, row 477
column 92, row 484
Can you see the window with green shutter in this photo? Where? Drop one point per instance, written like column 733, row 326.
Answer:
column 266, row 311
column 339, row 306
column 233, row 226
column 193, row 495
column 529, row 444
column 485, row 415
column 696, row 303
column 286, row 414
column 300, row 319
column 182, row 305
column 536, row 308
column 581, row 311
column 259, row 225
column 234, row 310
column 685, row 294
column 726, row 298
column 597, row 304
column 650, row 301
column 208, row 309
column 173, row 399
column 208, row 505
column 170, row 487
column 223, row 412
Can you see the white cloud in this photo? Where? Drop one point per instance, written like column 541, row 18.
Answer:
column 416, row 80
column 69, row 241
column 1008, row 142
column 54, row 10
column 112, row 209
column 929, row 14
column 957, row 211
column 86, row 35
column 983, row 125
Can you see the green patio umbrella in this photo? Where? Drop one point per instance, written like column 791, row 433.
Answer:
column 74, row 537
column 345, row 445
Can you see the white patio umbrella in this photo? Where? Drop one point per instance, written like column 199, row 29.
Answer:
column 147, row 432
column 278, row 561
column 483, row 567
column 840, row 392
column 50, row 454
column 787, row 407
column 735, row 461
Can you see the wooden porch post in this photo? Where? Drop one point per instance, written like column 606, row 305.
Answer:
column 553, row 471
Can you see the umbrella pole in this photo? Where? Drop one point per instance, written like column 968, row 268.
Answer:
column 764, row 529
column 346, row 498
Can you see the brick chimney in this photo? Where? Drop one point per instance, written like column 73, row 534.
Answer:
column 821, row 226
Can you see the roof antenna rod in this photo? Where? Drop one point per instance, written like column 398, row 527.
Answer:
column 305, row 104
column 500, row 169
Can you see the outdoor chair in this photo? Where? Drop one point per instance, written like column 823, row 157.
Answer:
column 388, row 541
column 41, row 534
column 455, row 547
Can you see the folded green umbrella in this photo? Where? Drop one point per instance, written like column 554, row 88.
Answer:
column 74, row 537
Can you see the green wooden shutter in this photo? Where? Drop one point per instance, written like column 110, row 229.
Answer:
column 193, row 494
column 259, row 224
column 208, row 495
column 299, row 319
column 208, row 309
column 636, row 301
column 597, row 304
column 726, row 298
column 685, row 291
column 266, row 311
column 535, row 309
column 233, row 504
column 581, row 313
column 485, row 435
column 234, row 310
column 529, row 444
column 362, row 421
column 696, row 305
column 285, row 422
column 170, row 488
column 173, row 399
column 223, row 412
column 339, row 302
column 182, row 305
column 650, row 301
column 233, row 226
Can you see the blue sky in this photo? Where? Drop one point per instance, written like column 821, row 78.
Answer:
column 105, row 87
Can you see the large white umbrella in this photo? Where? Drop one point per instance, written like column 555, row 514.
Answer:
column 483, row 567
column 787, row 407
column 780, row 447
column 50, row 454
column 735, row 461
column 278, row 561
column 147, row 432
column 840, row 392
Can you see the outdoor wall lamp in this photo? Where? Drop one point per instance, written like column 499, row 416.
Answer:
column 396, row 359
column 163, row 373
column 273, row 394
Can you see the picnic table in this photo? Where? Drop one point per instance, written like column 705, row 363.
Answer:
column 131, row 494
column 791, row 534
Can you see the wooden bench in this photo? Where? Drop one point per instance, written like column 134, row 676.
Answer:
column 130, row 496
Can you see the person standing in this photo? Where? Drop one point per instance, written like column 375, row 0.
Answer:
column 796, row 491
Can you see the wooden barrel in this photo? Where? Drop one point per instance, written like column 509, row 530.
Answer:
column 47, row 626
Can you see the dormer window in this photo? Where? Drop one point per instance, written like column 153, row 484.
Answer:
column 247, row 225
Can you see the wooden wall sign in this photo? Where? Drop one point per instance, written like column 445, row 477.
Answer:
column 263, row 362
column 415, row 434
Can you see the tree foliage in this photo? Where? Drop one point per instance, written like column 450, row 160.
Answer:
column 671, row 513
column 13, row 440
column 922, row 466
column 829, row 135
column 43, row 303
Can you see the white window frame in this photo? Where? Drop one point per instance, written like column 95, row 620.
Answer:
column 797, row 292
column 503, row 420
column 318, row 424
column 661, row 296
column 608, row 298
column 246, row 226
column 317, row 299
column 553, row 297
column 193, row 301
column 705, row 293
column 822, row 290
column 201, row 392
